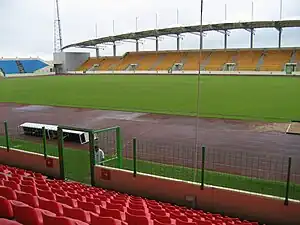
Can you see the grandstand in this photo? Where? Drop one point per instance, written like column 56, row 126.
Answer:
column 211, row 60
column 250, row 59
column 23, row 66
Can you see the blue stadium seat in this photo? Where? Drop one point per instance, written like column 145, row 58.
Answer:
column 9, row 66
column 31, row 65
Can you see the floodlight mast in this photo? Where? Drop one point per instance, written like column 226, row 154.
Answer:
column 198, row 92
column 57, row 30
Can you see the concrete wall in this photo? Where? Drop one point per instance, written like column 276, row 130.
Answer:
column 32, row 161
column 29, row 74
column 70, row 60
column 164, row 72
column 228, row 202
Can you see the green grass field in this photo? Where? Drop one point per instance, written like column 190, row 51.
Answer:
column 255, row 98
column 77, row 168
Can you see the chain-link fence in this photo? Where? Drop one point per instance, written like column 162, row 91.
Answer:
column 240, row 170
column 38, row 141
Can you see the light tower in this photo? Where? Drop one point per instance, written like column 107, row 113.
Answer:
column 57, row 29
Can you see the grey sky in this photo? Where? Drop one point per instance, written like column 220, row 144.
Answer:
column 26, row 26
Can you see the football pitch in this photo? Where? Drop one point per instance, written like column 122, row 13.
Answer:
column 252, row 98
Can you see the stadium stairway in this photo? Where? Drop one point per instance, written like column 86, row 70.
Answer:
column 20, row 66
column 89, row 63
column 32, row 65
column 108, row 63
column 158, row 61
column 275, row 60
column 297, row 59
column 169, row 60
column 260, row 61
column 247, row 60
column 218, row 59
column 30, row 198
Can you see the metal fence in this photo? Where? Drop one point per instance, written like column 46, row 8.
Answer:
column 274, row 175
column 13, row 137
column 269, row 174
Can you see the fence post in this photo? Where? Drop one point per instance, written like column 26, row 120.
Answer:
column 61, row 153
column 119, row 148
column 6, row 135
column 44, row 142
column 203, row 167
column 286, row 201
column 134, row 156
column 92, row 156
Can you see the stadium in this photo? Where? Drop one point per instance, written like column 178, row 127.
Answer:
column 203, row 136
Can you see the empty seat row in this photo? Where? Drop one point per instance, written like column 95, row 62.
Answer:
column 83, row 210
column 87, row 204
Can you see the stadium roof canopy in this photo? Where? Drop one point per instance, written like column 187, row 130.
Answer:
column 187, row 29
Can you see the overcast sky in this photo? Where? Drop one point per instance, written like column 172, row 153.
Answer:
column 26, row 26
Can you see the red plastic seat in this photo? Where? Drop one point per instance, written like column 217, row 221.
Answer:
column 61, row 220
column 58, row 191
column 96, row 220
column 27, row 198
column 136, row 212
column 137, row 206
column 7, row 193
column 20, row 172
column 76, row 213
column 136, row 201
column 53, row 185
column 178, row 216
column 39, row 175
column 114, row 213
column 12, row 184
column 201, row 222
column 68, row 189
column 156, row 222
column 66, row 200
column 15, row 179
column 40, row 182
column 27, row 182
column 1, row 183
column 51, row 206
column 180, row 222
column 89, row 206
column 158, row 211
column 8, row 222
column 16, row 176
column 43, row 187
column 46, row 194
column 136, row 220
column 84, row 193
column 100, row 197
column 96, row 201
column 6, row 210
column 29, row 189
column 3, row 176
column 115, row 206
column 26, row 214
column 161, row 219
column 51, row 220
column 76, row 196
column 118, row 201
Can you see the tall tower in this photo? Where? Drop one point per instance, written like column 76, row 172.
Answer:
column 57, row 29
